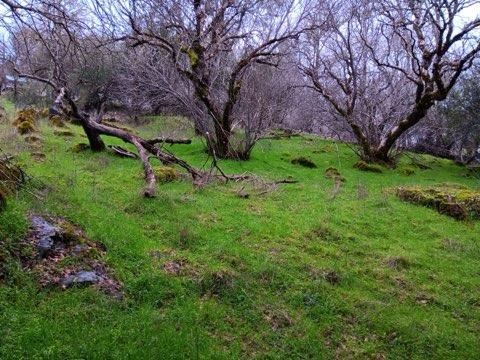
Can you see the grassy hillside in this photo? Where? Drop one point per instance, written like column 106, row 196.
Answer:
column 293, row 273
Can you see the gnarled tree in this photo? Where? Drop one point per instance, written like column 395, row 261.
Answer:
column 51, row 45
column 414, row 50
column 213, row 44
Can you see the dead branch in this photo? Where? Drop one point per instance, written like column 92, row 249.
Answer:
column 169, row 141
column 122, row 152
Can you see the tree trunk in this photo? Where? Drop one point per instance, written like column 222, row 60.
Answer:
column 94, row 139
column 221, row 144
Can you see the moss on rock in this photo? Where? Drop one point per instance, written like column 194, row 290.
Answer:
column 454, row 200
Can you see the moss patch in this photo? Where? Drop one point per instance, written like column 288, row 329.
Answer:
column 166, row 174
column 79, row 147
column 56, row 120
column 454, row 200
column 364, row 166
column 333, row 173
column 303, row 161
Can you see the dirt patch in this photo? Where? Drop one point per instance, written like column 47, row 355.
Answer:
column 63, row 256
column 397, row 263
column 217, row 282
column 322, row 232
column 278, row 319
column 174, row 267
column 454, row 200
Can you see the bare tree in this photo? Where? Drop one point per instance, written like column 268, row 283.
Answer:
column 55, row 30
column 414, row 52
column 214, row 44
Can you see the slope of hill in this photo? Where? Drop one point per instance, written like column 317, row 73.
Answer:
column 241, row 270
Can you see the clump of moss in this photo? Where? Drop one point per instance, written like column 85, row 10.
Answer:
column 303, row 161
column 66, row 133
column 333, row 173
column 44, row 112
column 364, row 166
column 25, row 120
column 28, row 114
column 407, row 170
column 166, row 174
column 26, row 127
column 69, row 233
column 454, row 200
column 56, row 120
column 79, row 147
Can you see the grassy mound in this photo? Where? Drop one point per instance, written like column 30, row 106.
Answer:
column 333, row 173
column 285, row 274
column 364, row 166
column 454, row 200
column 303, row 161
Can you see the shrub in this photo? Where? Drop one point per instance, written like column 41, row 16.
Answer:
column 364, row 166
column 454, row 200
column 303, row 161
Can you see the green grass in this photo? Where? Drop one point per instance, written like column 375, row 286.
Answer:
column 272, row 251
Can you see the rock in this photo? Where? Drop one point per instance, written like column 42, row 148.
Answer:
column 46, row 233
column 81, row 278
column 45, row 246
column 43, row 227
column 77, row 249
